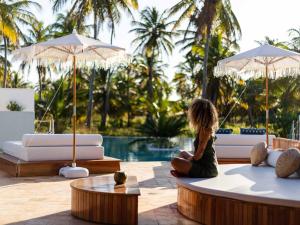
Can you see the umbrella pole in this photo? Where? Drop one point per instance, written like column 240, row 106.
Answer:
column 74, row 172
column 267, row 106
column 74, row 112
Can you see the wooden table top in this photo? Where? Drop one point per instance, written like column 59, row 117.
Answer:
column 106, row 184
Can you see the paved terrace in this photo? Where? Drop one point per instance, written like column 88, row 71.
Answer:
column 47, row 200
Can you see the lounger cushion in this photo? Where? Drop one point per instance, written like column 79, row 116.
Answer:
column 259, row 153
column 288, row 163
column 39, row 140
column 273, row 156
column 241, row 140
column 237, row 152
column 19, row 151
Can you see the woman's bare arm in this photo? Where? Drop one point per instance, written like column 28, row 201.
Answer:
column 204, row 136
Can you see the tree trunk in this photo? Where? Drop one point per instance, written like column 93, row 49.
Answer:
column 39, row 69
column 128, row 100
column 92, row 80
column 91, row 96
column 214, row 86
column 150, row 85
column 214, row 97
column 106, row 109
column 5, row 62
column 205, row 62
column 128, row 119
column 106, row 101
column 107, row 91
column 250, row 115
column 112, row 33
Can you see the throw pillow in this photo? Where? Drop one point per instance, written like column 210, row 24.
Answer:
column 259, row 153
column 273, row 156
column 288, row 162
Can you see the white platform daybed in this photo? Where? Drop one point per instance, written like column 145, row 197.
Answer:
column 238, row 145
column 240, row 193
column 45, row 147
column 46, row 154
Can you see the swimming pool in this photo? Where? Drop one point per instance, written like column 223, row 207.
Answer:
column 123, row 148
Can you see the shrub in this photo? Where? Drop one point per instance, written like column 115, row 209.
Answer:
column 14, row 106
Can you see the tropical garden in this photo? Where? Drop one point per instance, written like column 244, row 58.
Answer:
column 134, row 98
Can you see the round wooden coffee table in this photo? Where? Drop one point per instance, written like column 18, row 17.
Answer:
column 97, row 199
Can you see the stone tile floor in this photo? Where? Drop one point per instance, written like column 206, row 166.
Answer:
column 46, row 200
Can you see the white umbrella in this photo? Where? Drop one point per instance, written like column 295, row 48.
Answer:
column 266, row 59
column 75, row 48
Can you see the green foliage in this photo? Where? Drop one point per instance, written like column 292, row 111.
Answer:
column 134, row 98
column 12, row 15
column 153, row 33
column 14, row 106
column 163, row 125
column 283, row 123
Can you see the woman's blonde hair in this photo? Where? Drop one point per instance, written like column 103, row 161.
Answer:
column 203, row 116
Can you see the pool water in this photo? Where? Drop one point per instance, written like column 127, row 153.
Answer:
column 123, row 148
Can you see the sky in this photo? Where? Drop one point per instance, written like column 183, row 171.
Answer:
column 257, row 18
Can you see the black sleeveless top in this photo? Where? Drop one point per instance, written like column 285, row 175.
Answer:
column 207, row 165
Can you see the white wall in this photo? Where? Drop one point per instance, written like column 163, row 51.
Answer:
column 14, row 124
column 24, row 97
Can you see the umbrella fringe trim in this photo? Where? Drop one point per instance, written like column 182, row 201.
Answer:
column 220, row 71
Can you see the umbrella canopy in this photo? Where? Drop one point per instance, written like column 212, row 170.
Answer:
column 75, row 48
column 64, row 48
column 266, row 59
column 277, row 59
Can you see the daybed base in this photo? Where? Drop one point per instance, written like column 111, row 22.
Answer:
column 285, row 143
column 233, row 160
column 20, row 168
column 213, row 210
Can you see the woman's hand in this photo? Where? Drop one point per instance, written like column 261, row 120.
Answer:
column 186, row 155
column 197, row 157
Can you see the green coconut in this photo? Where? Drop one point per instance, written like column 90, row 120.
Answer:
column 120, row 177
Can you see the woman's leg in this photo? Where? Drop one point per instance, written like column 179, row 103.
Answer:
column 181, row 165
column 185, row 155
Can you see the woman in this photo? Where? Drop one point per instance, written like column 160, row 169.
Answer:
column 203, row 119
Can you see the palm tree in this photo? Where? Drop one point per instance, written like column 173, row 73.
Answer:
column 102, row 11
column 13, row 14
column 220, row 48
column 286, row 91
column 154, row 37
column 6, row 28
column 17, row 81
column 207, row 16
column 124, row 89
column 274, row 42
column 38, row 33
column 295, row 35
column 8, row 34
column 65, row 23
column 186, row 78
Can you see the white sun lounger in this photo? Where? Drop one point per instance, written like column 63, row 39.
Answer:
column 237, row 145
column 45, row 147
